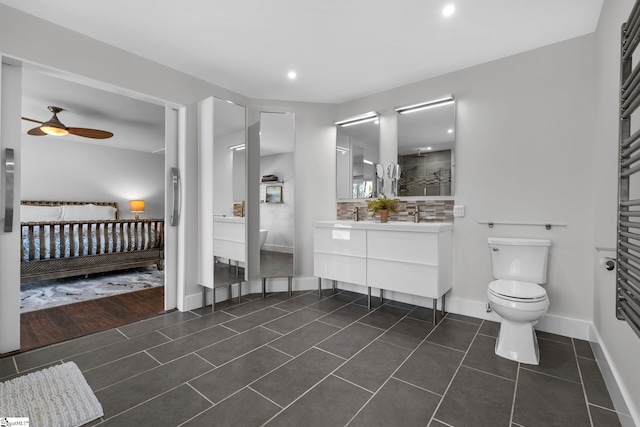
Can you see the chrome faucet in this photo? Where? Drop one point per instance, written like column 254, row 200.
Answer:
column 416, row 216
column 355, row 213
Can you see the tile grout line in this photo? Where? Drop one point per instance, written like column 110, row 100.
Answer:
column 351, row 382
column 280, row 351
column 584, row 390
column 489, row 373
column 413, row 385
column 262, row 395
column 144, row 402
column 337, row 368
column 209, row 362
column 515, row 393
column 455, row 373
column 197, row 391
column 550, row 375
column 396, row 370
column 328, row 352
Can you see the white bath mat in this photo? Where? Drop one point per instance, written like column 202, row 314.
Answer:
column 54, row 397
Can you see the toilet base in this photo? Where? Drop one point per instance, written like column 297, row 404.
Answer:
column 517, row 341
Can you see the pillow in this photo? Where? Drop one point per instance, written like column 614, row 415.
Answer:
column 88, row 212
column 29, row 213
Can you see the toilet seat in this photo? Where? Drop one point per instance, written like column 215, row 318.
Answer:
column 514, row 290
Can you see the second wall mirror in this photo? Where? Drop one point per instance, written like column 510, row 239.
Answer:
column 426, row 147
column 277, row 183
column 228, row 192
column 357, row 154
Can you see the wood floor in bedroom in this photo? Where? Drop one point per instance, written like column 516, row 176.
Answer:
column 57, row 324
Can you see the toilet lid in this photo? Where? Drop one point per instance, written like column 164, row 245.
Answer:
column 515, row 289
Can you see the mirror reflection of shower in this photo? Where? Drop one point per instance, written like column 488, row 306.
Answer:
column 426, row 147
column 357, row 157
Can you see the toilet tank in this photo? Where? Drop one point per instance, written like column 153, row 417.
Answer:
column 519, row 259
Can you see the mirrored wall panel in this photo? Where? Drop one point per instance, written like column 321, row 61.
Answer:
column 229, row 192
column 426, row 147
column 357, row 154
column 277, row 183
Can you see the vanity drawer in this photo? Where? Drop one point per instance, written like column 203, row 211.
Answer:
column 229, row 249
column 339, row 241
column 349, row 269
column 229, row 231
column 413, row 247
column 408, row 278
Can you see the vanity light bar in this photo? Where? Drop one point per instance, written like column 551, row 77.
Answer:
column 237, row 147
column 425, row 105
column 356, row 120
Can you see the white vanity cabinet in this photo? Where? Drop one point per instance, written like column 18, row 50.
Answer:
column 402, row 257
column 229, row 238
column 340, row 254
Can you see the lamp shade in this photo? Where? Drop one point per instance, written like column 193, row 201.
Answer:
column 136, row 205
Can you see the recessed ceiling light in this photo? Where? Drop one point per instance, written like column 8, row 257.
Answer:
column 448, row 10
column 450, row 131
column 292, row 75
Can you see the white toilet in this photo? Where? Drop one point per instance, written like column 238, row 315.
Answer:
column 520, row 267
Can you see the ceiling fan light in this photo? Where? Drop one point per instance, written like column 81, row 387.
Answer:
column 52, row 129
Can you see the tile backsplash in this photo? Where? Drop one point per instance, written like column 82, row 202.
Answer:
column 428, row 210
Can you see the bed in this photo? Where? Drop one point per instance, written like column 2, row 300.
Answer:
column 64, row 239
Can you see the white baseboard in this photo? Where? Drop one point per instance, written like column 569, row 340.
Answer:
column 278, row 248
column 614, row 381
column 278, row 284
column 551, row 323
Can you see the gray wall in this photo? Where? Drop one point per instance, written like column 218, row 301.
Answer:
column 523, row 154
column 618, row 342
column 71, row 170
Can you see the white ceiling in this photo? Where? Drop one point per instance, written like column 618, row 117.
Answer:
column 136, row 125
column 341, row 49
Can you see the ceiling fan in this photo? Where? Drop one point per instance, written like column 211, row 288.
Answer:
column 53, row 126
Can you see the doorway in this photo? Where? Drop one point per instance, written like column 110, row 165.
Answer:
column 123, row 170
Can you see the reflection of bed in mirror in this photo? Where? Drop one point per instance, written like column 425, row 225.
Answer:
column 276, row 197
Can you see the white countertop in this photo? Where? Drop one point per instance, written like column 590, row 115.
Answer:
column 234, row 219
column 421, row 227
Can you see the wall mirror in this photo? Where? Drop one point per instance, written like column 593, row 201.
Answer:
column 357, row 153
column 277, row 183
column 426, row 146
column 229, row 192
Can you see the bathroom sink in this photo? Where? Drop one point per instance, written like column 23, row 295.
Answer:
column 422, row 227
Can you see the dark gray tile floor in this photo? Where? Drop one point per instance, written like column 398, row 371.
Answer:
column 326, row 362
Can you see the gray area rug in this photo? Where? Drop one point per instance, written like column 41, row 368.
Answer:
column 54, row 397
column 55, row 292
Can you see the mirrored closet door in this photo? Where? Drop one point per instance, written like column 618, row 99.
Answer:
column 277, row 183
column 229, row 194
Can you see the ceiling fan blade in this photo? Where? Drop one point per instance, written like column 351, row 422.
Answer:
column 32, row 120
column 36, row 131
column 90, row 133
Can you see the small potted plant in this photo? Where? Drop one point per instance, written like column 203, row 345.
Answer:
column 384, row 206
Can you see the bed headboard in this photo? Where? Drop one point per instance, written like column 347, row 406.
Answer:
column 57, row 203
